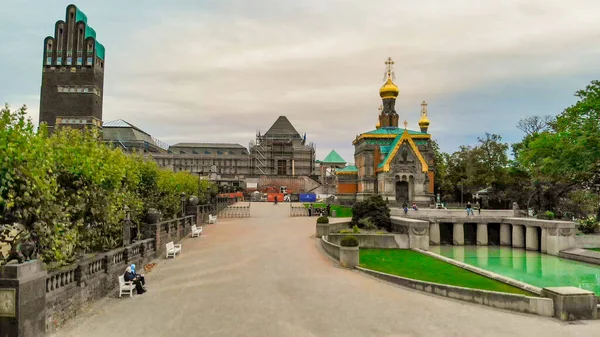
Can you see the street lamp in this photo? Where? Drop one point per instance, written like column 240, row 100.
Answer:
column 182, row 196
column 597, row 187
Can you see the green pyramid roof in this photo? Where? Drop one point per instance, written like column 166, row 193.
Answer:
column 333, row 158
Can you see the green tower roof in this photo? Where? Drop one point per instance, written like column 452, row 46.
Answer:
column 333, row 158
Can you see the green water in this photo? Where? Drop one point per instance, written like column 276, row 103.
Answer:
column 540, row 270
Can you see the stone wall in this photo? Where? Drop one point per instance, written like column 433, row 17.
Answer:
column 587, row 241
column 332, row 249
column 532, row 305
column 368, row 240
column 70, row 289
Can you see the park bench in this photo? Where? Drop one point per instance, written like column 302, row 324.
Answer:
column 125, row 287
column 212, row 219
column 173, row 249
column 196, row 231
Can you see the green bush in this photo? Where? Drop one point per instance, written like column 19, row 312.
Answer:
column 588, row 225
column 367, row 224
column 322, row 219
column 72, row 189
column 374, row 208
column 349, row 241
column 355, row 229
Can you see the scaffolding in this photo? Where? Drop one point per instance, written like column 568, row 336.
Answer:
column 282, row 155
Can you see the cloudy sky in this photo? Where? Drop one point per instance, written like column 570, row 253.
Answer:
column 220, row 70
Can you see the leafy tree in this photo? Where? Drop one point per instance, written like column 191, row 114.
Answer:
column 72, row 189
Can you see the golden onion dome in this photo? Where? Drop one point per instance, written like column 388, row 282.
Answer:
column 424, row 121
column 389, row 90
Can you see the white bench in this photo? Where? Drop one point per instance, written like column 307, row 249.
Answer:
column 173, row 249
column 125, row 287
column 196, row 231
column 212, row 219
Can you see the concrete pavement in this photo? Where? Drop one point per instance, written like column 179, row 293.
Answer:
column 267, row 276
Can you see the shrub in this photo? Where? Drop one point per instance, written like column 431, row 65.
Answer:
column 548, row 215
column 367, row 224
column 374, row 208
column 349, row 241
column 322, row 219
column 72, row 189
column 588, row 225
column 355, row 229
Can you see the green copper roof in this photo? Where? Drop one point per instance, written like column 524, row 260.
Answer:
column 333, row 158
column 387, row 157
column 385, row 149
column 393, row 131
column 89, row 32
column 351, row 168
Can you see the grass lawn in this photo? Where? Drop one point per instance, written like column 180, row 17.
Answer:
column 595, row 249
column 341, row 211
column 414, row 265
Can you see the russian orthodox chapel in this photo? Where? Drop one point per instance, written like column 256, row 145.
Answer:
column 392, row 161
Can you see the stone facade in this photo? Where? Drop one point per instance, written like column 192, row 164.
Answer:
column 72, row 74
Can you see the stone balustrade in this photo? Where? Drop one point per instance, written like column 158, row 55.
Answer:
column 546, row 236
column 298, row 210
column 235, row 211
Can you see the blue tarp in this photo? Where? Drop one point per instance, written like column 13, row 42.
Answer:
column 308, row 197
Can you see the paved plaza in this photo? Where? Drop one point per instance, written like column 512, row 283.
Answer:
column 267, row 276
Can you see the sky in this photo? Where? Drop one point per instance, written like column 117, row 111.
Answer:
column 221, row 70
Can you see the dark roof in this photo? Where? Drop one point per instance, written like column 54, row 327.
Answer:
column 210, row 145
column 119, row 123
column 282, row 127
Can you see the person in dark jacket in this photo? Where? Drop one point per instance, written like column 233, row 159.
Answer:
column 328, row 209
column 405, row 207
column 130, row 276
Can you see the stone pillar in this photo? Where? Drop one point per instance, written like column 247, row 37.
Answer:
column 565, row 239
column 482, row 234
column 418, row 235
column 543, row 240
column 532, row 241
column 505, row 237
column 434, row 233
column 571, row 303
column 23, row 298
column 458, row 234
column 518, row 237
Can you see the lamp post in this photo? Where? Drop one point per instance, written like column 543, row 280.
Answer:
column 597, row 187
column 127, row 226
column 182, row 196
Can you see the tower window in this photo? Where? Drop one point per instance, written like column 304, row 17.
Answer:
column 48, row 61
column 59, row 60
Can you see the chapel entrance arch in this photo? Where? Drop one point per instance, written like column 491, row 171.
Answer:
column 402, row 191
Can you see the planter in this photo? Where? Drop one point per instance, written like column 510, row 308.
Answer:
column 322, row 229
column 349, row 257
column 153, row 216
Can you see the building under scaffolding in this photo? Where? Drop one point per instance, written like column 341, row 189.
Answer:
column 282, row 151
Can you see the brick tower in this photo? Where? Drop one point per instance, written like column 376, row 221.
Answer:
column 72, row 74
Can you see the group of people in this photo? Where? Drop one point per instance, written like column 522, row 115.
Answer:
column 321, row 212
column 405, row 207
column 137, row 279
column 470, row 208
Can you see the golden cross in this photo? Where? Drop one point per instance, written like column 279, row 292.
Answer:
column 389, row 65
column 380, row 108
column 405, row 124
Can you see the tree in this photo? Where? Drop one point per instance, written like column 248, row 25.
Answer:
column 535, row 124
column 566, row 157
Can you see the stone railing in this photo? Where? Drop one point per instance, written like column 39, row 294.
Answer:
column 61, row 280
column 71, row 288
column 235, row 211
column 298, row 210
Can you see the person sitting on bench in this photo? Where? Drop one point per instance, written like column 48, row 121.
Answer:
column 138, row 280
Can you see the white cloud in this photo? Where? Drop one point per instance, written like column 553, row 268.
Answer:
column 222, row 70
